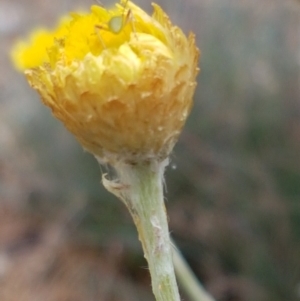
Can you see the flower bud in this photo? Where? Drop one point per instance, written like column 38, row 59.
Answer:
column 120, row 80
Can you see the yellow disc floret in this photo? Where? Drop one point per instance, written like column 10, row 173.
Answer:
column 120, row 80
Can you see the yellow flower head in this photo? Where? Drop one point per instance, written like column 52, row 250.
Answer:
column 120, row 80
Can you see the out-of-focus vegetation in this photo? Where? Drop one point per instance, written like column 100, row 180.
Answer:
column 233, row 185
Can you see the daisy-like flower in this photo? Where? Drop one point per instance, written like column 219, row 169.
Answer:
column 120, row 80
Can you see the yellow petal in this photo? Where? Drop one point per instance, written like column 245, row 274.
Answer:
column 125, row 94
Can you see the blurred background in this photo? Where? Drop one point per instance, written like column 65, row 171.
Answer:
column 233, row 185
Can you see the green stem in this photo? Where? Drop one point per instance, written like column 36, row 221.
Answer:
column 187, row 279
column 140, row 187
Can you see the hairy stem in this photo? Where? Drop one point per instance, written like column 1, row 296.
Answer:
column 140, row 187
